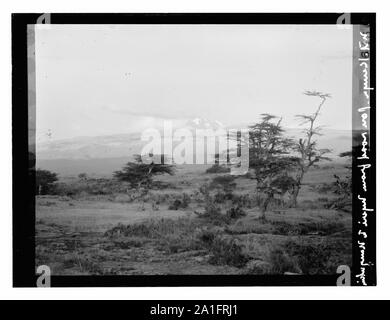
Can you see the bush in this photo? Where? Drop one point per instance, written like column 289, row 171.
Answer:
column 124, row 243
column 235, row 213
column 181, row 204
column 206, row 236
column 83, row 176
column 175, row 205
column 170, row 235
column 216, row 168
column 227, row 251
column 249, row 227
column 211, row 212
column 282, row 262
column 225, row 182
column 312, row 258
column 44, row 181
column 179, row 242
column 316, row 228
column 223, row 250
column 214, row 215
column 244, row 201
column 219, row 197
column 257, row 267
column 153, row 228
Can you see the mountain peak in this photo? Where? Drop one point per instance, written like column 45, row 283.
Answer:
column 201, row 123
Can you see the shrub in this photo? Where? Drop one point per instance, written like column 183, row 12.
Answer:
column 137, row 229
column 175, row 205
column 243, row 201
column 83, row 176
column 214, row 215
column 223, row 250
column 220, row 197
column 153, row 228
column 318, row 228
column 216, row 168
column 227, row 251
column 170, row 235
column 235, row 213
column 124, row 243
column 84, row 264
column 257, row 267
column 225, row 182
column 179, row 242
column 282, row 262
column 249, row 227
column 186, row 200
column 44, row 181
column 206, row 236
column 312, row 258
column 180, row 204
column 211, row 211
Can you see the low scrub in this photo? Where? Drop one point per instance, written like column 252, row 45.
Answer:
column 281, row 262
column 152, row 228
column 250, row 227
column 214, row 215
column 216, row 168
column 168, row 234
column 287, row 229
column 312, row 258
column 224, row 250
column 235, row 213
column 244, row 201
column 309, row 228
column 182, row 203
column 304, row 256
column 227, row 251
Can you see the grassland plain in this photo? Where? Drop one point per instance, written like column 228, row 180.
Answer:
column 99, row 226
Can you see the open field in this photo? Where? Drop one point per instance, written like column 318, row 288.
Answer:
column 108, row 231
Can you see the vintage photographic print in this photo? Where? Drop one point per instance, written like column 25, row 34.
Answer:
column 194, row 149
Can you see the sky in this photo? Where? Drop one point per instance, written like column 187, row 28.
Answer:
column 96, row 80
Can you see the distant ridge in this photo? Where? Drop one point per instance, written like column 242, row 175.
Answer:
column 104, row 154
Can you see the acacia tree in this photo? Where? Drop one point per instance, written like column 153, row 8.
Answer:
column 140, row 174
column 83, row 176
column 268, row 149
column 309, row 153
column 44, row 180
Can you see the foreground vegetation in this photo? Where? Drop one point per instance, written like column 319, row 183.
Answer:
column 155, row 218
column 191, row 223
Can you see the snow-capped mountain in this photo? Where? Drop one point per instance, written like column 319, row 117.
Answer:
column 110, row 146
column 127, row 145
column 201, row 123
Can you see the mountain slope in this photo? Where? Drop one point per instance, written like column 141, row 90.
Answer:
column 104, row 154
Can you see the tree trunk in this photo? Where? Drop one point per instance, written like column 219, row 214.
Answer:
column 297, row 188
column 294, row 201
column 265, row 205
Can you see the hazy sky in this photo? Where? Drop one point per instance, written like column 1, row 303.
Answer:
column 107, row 79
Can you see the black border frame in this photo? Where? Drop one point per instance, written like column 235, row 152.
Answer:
column 23, row 184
